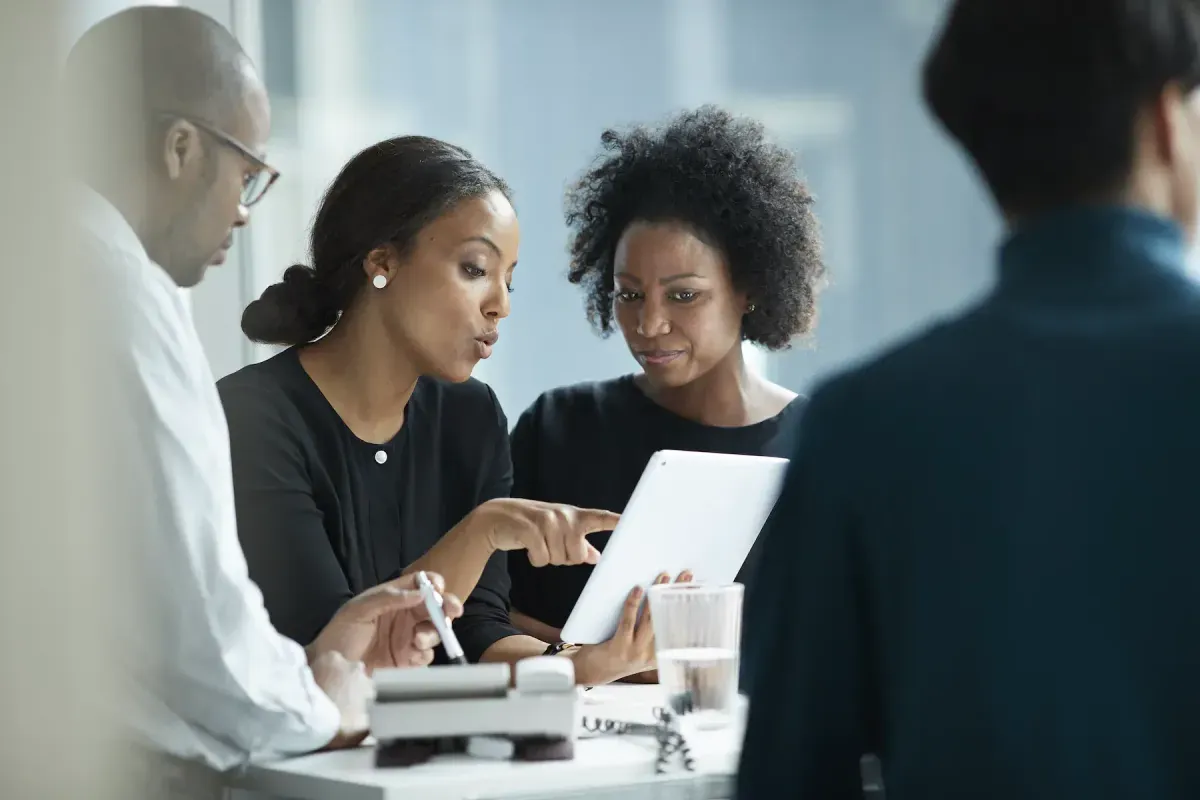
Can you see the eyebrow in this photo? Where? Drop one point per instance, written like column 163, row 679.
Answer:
column 666, row 280
column 486, row 241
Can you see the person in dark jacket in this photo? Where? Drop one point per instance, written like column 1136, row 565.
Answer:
column 981, row 567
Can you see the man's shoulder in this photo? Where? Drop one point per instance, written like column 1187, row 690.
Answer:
column 106, row 251
column 907, row 368
column 112, row 263
column 133, row 308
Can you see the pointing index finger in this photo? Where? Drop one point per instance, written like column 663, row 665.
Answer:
column 594, row 520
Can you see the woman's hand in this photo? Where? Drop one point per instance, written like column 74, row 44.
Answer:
column 630, row 650
column 549, row 533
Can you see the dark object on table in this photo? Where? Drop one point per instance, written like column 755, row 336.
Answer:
column 410, row 752
column 543, row 749
column 413, row 752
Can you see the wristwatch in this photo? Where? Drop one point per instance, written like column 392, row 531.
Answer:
column 558, row 648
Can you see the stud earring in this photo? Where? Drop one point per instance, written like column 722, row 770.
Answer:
column 750, row 308
column 379, row 281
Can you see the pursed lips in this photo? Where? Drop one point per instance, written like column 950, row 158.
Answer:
column 486, row 342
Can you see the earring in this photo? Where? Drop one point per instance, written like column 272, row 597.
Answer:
column 379, row 281
column 750, row 308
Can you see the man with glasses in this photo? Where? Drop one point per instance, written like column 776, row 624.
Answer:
column 257, row 177
column 169, row 118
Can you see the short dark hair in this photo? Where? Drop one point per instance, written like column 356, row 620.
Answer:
column 719, row 175
column 1044, row 94
column 385, row 195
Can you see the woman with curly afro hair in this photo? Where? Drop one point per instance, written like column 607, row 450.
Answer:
column 690, row 239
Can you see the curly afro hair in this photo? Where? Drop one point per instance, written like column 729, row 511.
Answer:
column 719, row 175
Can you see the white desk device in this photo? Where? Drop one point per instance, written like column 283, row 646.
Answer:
column 690, row 510
column 420, row 713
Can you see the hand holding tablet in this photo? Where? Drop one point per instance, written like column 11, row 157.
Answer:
column 630, row 651
column 690, row 511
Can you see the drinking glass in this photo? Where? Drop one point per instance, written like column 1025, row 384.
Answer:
column 697, row 637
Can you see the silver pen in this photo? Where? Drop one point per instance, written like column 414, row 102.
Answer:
column 433, row 602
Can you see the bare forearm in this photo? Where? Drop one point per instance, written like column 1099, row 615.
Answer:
column 534, row 627
column 593, row 663
column 512, row 649
column 459, row 557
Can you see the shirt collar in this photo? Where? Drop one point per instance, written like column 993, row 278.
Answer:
column 104, row 221
column 1081, row 247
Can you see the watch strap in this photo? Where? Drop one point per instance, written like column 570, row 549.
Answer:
column 560, row 647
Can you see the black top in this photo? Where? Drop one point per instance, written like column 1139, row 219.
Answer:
column 323, row 515
column 587, row 445
column 982, row 566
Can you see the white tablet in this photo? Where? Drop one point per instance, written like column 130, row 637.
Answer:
column 697, row 511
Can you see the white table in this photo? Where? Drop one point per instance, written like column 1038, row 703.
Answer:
column 605, row 766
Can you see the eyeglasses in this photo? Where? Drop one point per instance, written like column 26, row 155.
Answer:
column 255, row 184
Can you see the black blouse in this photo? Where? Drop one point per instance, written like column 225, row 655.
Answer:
column 323, row 515
column 587, row 445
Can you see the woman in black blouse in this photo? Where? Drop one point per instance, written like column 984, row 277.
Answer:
column 692, row 239
column 365, row 450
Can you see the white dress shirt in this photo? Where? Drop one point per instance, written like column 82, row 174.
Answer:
column 211, row 678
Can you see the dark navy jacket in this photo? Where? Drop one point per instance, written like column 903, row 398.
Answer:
column 983, row 563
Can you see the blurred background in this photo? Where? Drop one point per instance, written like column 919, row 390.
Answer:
column 529, row 85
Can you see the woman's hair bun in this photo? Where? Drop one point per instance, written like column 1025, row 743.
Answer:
column 292, row 312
